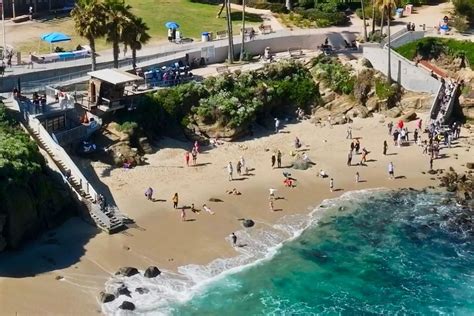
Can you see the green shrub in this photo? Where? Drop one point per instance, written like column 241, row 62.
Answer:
column 431, row 47
column 325, row 18
column 127, row 127
column 331, row 71
column 274, row 7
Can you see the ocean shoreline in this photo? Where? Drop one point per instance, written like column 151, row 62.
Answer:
column 159, row 238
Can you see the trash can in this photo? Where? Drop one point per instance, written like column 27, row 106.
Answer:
column 409, row 8
column 399, row 13
column 205, row 37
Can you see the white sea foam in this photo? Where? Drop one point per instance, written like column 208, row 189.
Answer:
column 261, row 243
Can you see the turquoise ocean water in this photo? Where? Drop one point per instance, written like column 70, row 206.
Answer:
column 366, row 253
column 387, row 253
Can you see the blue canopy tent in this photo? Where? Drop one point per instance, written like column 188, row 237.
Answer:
column 54, row 37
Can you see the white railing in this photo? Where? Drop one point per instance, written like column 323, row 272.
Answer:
column 61, row 154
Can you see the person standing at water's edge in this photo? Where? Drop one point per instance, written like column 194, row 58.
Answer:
column 357, row 177
column 391, row 170
column 175, row 200
column 234, row 239
column 331, row 185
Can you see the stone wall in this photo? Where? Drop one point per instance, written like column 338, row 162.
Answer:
column 405, row 72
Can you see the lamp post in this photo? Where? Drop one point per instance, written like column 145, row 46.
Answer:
column 242, row 48
column 3, row 31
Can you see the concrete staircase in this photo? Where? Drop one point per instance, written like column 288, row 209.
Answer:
column 109, row 220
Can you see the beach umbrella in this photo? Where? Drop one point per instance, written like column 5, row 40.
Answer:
column 172, row 25
column 400, row 124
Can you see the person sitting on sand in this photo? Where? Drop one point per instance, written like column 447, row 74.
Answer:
column 207, row 209
column 233, row 191
column 297, row 143
column 288, row 182
column 322, row 173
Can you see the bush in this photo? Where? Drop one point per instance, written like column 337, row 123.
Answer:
column 337, row 76
column 274, row 7
column 461, row 23
column 127, row 127
column 232, row 100
column 465, row 8
column 325, row 19
column 385, row 91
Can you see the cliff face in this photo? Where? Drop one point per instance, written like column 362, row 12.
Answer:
column 31, row 207
column 33, row 197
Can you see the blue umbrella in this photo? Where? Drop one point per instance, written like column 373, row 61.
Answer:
column 172, row 25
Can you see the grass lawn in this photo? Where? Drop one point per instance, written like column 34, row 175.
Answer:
column 193, row 18
column 450, row 47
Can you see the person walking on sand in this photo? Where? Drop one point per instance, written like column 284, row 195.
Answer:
column 186, row 158
column 349, row 158
column 242, row 162
column 349, row 132
column 149, row 194
column 196, row 146
column 277, row 125
column 357, row 177
column 270, row 204
column 357, row 146
column 273, row 160
column 390, row 127
column 431, row 163
column 193, row 209
column 175, row 200
column 234, row 239
column 230, row 171
column 279, row 158
column 194, row 153
column 385, row 146
column 331, row 185
column 391, row 171
column 238, row 167
column 183, row 215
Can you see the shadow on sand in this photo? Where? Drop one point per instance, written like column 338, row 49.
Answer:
column 57, row 249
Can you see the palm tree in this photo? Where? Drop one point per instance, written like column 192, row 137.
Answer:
column 388, row 7
column 230, row 55
column 242, row 48
column 89, row 22
column 118, row 17
column 363, row 20
column 373, row 17
column 135, row 35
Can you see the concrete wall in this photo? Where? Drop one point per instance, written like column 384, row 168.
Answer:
column 406, row 38
column 403, row 71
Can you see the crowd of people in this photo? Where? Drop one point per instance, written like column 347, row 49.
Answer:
column 444, row 99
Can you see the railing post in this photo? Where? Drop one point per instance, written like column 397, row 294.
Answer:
column 87, row 187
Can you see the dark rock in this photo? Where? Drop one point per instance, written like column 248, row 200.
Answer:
column 248, row 223
column 300, row 164
column 142, row 290
column 431, row 171
column 152, row 272
column 127, row 271
column 215, row 200
column 128, row 306
column 123, row 290
column 106, row 297
column 144, row 145
column 470, row 165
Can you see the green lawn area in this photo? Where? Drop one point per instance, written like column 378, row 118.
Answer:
column 450, row 47
column 193, row 18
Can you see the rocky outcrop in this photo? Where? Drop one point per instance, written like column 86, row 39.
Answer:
column 247, row 223
column 215, row 130
column 106, row 297
column 128, row 306
column 409, row 116
column 467, row 105
column 461, row 184
column 127, row 271
column 152, row 272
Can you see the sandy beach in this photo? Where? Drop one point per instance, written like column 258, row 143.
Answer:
column 159, row 237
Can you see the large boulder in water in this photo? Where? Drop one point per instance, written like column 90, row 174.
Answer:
column 152, row 272
column 128, row 306
column 248, row 223
column 127, row 271
column 106, row 297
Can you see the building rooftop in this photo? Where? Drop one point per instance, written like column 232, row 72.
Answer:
column 114, row 76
